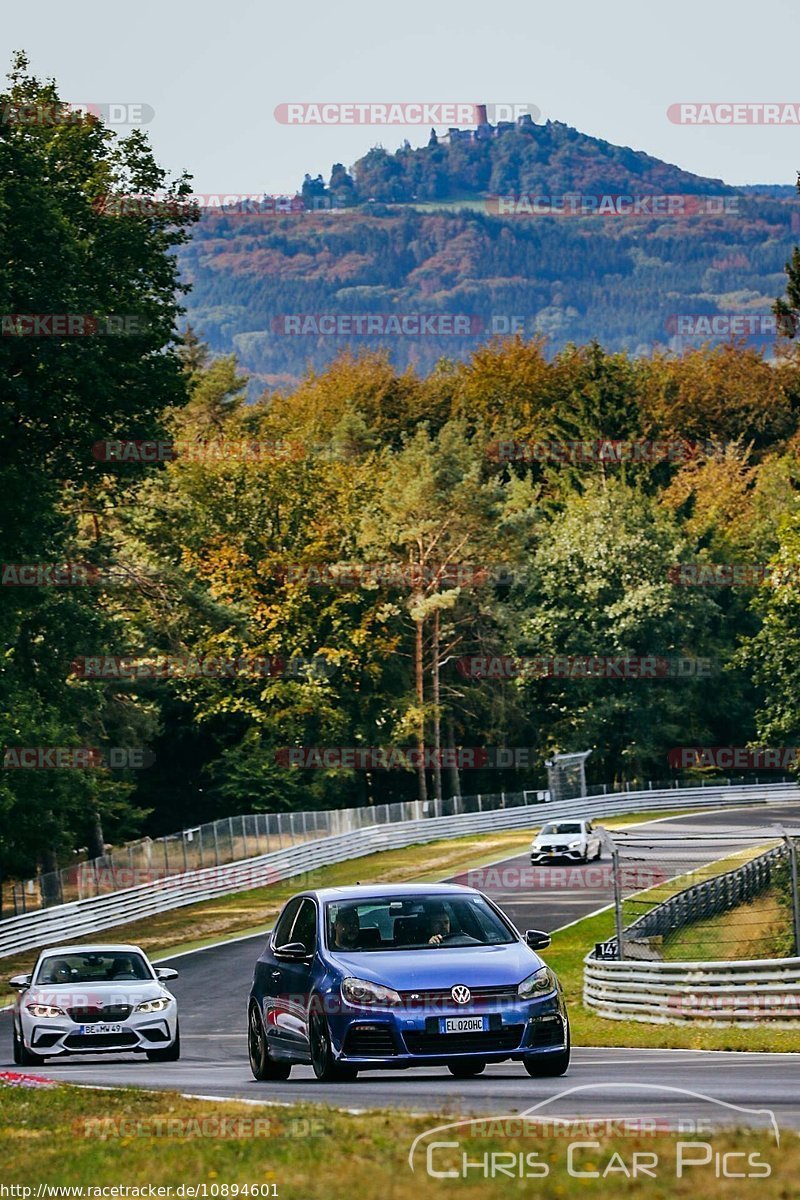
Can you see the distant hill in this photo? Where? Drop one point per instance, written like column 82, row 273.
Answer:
column 513, row 158
column 421, row 234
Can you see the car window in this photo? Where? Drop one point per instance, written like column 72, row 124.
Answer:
column 562, row 828
column 411, row 922
column 305, row 926
column 102, row 966
column 281, row 936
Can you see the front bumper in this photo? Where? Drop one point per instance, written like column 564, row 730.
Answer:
column 372, row 1037
column 56, row 1036
column 551, row 855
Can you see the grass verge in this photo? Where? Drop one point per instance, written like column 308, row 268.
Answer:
column 761, row 928
column 70, row 1136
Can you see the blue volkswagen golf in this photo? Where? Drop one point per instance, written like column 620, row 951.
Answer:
column 402, row 976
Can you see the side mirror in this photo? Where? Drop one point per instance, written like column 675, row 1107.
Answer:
column 536, row 939
column 20, row 982
column 165, row 973
column 294, row 952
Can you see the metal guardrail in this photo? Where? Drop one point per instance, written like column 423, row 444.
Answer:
column 86, row 917
column 746, row 993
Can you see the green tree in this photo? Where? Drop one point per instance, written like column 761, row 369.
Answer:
column 66, row 251
column 600, row 586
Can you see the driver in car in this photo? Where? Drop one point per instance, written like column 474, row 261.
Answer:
column 439, row 926
column 346, row 929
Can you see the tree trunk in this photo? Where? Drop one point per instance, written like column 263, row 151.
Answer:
column 97, row 846
column 455, row 779
column 419, row 666
column 50, row 879
column 437, row 720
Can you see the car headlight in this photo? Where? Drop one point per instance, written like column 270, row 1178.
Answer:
column 538, row 984
column 576, row 845
column 362, row 992
column 157, row 1005
column 45, row 1010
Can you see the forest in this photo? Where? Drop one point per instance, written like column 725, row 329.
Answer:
column 205, row 590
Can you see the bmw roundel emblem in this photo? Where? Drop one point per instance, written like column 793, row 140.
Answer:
column 461, row 994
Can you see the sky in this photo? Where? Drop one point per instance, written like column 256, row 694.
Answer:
column 214, row 73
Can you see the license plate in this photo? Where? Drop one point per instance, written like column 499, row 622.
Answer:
column 99, row 1028
column 463, row 1024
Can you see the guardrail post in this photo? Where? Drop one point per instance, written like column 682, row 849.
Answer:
column 618, row 902
column 795, row 898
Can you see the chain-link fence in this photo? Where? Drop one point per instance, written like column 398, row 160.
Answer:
column 709, row 896
column 233, row 839
column 566, row 775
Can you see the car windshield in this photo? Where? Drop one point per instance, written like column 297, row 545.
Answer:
column 562, row 828
column 102, row 966
column 414, row 923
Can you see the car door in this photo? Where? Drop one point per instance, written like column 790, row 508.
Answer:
column 294, row 986
column 268, row 974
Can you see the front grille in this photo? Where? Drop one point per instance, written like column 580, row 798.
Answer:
column 89, row 1014
column 507, row 1038
column 100, row 1041
column 547, row 1031
column 481, row 998
column 369, row 1041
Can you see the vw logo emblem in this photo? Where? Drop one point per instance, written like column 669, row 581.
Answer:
column 461, row 994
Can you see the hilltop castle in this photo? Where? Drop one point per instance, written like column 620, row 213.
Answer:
column 482, row 130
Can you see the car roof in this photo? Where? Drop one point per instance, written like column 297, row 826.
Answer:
column 368, row 891
column 105, row 948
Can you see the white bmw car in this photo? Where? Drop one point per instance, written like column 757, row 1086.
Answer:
column 94, row 1000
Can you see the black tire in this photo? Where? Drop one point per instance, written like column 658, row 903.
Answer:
column 326, row 1069
column 16, row 1045
column 23, row 1057
column 263, row 1067
column 466, row 1068
column 542, row 1066
column 169, row 1053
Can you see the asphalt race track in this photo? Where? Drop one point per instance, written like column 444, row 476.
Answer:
column 213, row 986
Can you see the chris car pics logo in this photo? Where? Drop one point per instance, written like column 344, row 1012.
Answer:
column 536, row 1145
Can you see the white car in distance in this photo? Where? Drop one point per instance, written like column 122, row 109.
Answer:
column 94, row 1000
column 573, row 840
